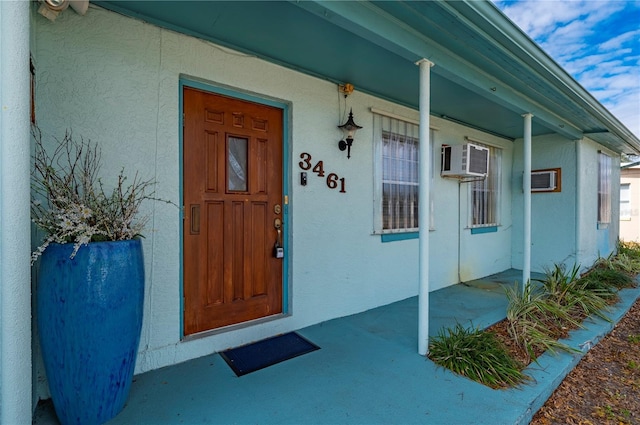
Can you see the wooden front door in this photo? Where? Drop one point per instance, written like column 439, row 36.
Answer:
column 232, row 176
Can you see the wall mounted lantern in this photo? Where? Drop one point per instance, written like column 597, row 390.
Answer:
column 50, row 9
column 349, row 128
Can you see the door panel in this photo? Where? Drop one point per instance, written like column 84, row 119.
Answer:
column 232, row 176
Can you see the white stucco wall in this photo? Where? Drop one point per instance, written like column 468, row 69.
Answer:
column 116, row 81
column 596, row 242
column 455, row 252
column 564, row 226
column 553, row 214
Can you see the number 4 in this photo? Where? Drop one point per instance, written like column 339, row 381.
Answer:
column 319, row 169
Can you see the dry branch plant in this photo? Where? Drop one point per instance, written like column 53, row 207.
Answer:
column 70, row 202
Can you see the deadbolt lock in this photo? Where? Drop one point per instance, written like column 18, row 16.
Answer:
column 277, row 209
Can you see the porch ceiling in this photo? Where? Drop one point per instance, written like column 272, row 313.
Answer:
column 487, row 72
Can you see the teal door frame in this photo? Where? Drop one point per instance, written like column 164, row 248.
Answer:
column 225, row 91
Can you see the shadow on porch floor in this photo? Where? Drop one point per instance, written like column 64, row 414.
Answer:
column 367, row 371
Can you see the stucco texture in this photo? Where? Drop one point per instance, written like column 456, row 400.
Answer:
column 564, row 227
column 116, row 81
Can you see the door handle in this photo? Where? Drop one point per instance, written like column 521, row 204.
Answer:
column 195, row 219
column 278, row 249
column 277, row 223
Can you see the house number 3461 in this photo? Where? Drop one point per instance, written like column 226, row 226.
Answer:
column 333, row 180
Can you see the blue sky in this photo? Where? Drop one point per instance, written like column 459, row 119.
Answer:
column 595, row 41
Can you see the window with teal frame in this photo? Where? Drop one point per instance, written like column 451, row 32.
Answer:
column 397, row 151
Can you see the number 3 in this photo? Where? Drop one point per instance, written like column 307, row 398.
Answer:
column 305, row 164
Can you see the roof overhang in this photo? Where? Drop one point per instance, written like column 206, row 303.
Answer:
column 487, row 72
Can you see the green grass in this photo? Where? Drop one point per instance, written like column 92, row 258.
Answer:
column 476, row 354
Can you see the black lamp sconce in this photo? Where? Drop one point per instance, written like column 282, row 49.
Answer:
column 349, row 128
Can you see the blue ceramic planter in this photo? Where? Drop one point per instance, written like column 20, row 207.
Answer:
column 89, row 321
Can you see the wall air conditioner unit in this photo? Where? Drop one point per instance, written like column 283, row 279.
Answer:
column 467, row 160
column 545, row 180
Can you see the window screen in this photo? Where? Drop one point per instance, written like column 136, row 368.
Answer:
column 485, row 194
column 397, row 150
column 604, row 188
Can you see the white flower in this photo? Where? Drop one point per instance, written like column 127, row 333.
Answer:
column 85, row 212
column 66, row 223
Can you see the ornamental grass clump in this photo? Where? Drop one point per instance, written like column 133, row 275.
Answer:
column 539, row 316
column 535, row 322
column 607, row 280
column 70, row 202
column 630, row 249
column 578, row 297
column 627, row 261
column 476, row 354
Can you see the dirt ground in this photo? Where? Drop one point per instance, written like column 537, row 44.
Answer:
column 604, row 388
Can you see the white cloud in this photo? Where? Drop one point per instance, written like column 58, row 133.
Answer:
column 616, row 42
column 595, row 41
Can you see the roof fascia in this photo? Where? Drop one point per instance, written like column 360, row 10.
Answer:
column 630, row 165
column 367, row 21
column 547, row 67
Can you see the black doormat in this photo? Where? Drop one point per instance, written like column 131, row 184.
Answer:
column 261, row 354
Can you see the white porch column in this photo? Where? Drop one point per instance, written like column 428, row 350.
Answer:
column 526, row 268
column 424, row 189
column 579, row 202
column 15, row 237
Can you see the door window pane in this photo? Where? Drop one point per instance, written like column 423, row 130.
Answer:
column 237, row 164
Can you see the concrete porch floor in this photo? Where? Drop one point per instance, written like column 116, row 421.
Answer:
column 367, row 371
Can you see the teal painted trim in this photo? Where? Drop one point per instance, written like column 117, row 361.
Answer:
column 481, row 230
column 393, row 237
column 286, row 217
column 181, row 194
column 196, row 84
column 540, row 59
column 188, row 82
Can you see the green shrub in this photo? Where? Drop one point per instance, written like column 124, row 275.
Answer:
column 476, row 354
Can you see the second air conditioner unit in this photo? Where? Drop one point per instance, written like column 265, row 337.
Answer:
column 467, row 160
column 545, row 180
